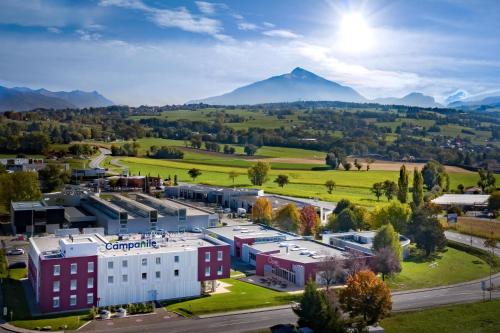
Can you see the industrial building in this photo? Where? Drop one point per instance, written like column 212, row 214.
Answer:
column 35, row 216
column 235, row 198
column 361, row 241
column 81, row 271
column 463, row 201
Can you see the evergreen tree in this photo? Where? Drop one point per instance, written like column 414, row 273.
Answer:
column 403, row 185
column 387, row 237
column 418, row 188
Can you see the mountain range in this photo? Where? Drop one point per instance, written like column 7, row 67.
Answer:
column 23, row 99
column 302, row 85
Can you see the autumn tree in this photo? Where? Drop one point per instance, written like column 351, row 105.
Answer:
column 356, row 261
column 258, row 173
column 386, row 262
column 366, row 296
column 287, row 218
column 309, row 221
column 330, row 185
column 386, row 237
column 262, row 211
column 281, row 180
column 403, row 184
column 378, row 190
column 418, row 188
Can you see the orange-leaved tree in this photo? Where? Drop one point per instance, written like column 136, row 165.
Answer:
column 262, row 211
column 309, row 221
column 366, row 296
column 287, row 218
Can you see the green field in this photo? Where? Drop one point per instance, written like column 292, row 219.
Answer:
column 251, row 118
column 354, row 185
column 449, row 267
column 242, row 295
column 465, row 318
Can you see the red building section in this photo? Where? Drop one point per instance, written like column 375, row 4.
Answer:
column 238, row 245
column 214, row 262
column 66, row 290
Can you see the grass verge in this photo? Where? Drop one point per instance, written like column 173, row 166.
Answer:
column 241, row 296
column 448, row 267
column 480, row 317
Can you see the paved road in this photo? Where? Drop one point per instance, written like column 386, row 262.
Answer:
column 96, row 162
column 466, row 239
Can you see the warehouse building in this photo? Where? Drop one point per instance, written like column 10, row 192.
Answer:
column 81, row 271
column 463, row 201
column 35, row 216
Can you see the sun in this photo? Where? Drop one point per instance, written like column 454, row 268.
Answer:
column 355, row 34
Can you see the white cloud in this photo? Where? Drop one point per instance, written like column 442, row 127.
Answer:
column 207, row 8
column 246, row 26
column 54, row 30
column 179, row 18
column 281, row 33
column 268, row 25
column 88, row 35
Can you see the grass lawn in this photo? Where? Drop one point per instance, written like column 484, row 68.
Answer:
column 449, row 267
column 464, row 318
column 14, row 298
column 242, row 295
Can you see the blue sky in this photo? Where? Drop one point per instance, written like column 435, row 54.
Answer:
column 161, row 52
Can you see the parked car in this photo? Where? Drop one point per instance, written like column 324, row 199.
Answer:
column 227, row 210
column 15, row 252
column 19, row 264
column 196, row 230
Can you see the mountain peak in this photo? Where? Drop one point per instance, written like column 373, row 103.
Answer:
column 298, row 85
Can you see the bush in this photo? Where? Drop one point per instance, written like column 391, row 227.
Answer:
column 491, row 259
column 455, row 210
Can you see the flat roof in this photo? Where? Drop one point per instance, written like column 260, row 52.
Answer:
column 174, row 242
column 248, row 231
column 300, row 250
column 75, row 212
column 462, row 199
column 32, row 205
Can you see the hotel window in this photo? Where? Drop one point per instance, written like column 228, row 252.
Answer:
column 72, row 300
column 110, row 265
column 72, row 285
column 144, row 262
column 219, row 255
column 176, row 272
column 207, row 256
column 158, row 260
column 207, row 271
column 57, row 270
column 157, row 275
column 124, row 278
column 74, row 268
column 55, row 302
column 90, row 283
column 90, row 298
column 110, row 279
column 144, row 276
column 90, row 267
column 219, row 270
column 56, row 286
column 176, row 259
column 124, row 263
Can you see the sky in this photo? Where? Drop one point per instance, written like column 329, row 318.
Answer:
column 157, row 52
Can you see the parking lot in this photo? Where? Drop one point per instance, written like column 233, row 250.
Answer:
column 10, row 243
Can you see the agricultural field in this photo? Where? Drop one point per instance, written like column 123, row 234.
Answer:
column 353, row 185
column 250, row 118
